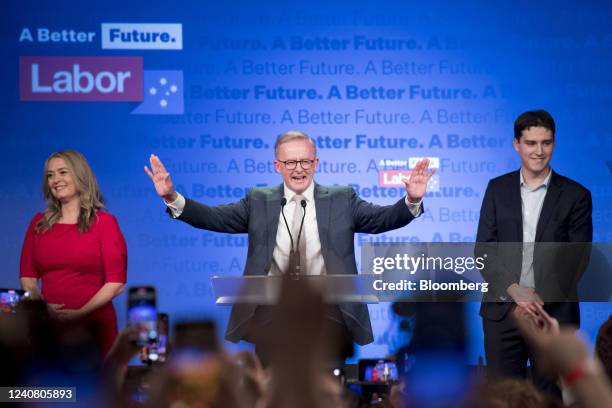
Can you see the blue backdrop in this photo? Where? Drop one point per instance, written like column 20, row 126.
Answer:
column 208, row 86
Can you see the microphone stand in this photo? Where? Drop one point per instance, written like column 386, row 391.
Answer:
column 295, row 266
column 297, row 254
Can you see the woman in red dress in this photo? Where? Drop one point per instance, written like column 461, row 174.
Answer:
column 76, row 250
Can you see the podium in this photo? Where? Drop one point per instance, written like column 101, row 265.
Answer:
column 338, row 298
column 265, row 290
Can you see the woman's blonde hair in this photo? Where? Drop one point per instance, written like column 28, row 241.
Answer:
column 86, row 186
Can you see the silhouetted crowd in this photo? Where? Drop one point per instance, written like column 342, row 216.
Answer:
column 302, row 353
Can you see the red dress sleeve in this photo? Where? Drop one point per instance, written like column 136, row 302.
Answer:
column 27, row 266
column 114, row 251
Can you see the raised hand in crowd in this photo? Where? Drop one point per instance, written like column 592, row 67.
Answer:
column 563, row 353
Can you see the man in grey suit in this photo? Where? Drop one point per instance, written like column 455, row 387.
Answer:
column 331, row 216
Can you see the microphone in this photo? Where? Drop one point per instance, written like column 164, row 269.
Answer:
column 297, row 250
column 303, row 204
column 283, row 204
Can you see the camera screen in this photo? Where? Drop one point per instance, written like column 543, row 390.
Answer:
column 378, row 370
column 9, row 298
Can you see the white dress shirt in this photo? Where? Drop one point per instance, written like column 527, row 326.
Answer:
column 532, row 199
column 310, row 234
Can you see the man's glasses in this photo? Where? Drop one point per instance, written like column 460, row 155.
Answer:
column 292, row 164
